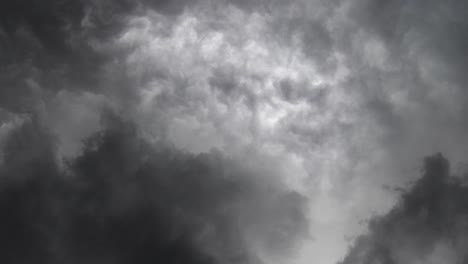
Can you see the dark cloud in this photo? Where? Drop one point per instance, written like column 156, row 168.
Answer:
column 45, row 43
column 332, row 89
column 47, row 20
column 55, row 45
column 431, row 215
column 118, row 198
column 123, row 200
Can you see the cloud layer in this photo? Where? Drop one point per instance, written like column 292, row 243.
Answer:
column 331, row 99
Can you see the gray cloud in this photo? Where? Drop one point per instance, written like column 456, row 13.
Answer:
column 124, row 201
column 428, row 225
column 326, row 93
column 405, row 77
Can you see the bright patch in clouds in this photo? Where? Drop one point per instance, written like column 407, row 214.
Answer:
column 285, row 125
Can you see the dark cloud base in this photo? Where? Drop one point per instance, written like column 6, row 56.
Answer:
column 124, row 201
column 433, row 211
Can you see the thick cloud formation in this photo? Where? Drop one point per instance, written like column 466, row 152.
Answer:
column 318, row 95
column 125, row 201
column 119, row 197
column 428, row 225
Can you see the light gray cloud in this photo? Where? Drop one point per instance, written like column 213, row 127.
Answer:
column 341, row 96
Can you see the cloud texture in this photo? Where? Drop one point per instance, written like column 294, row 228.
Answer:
column 428, row 225
column 240, row 131
column 124, row 201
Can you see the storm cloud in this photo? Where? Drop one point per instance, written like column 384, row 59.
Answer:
column 226, row 131
column 124, row 201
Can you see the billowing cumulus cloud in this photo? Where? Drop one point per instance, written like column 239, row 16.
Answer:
column 318, row 107
column 123, row 200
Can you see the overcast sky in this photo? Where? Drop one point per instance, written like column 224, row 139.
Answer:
column 226, row 131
